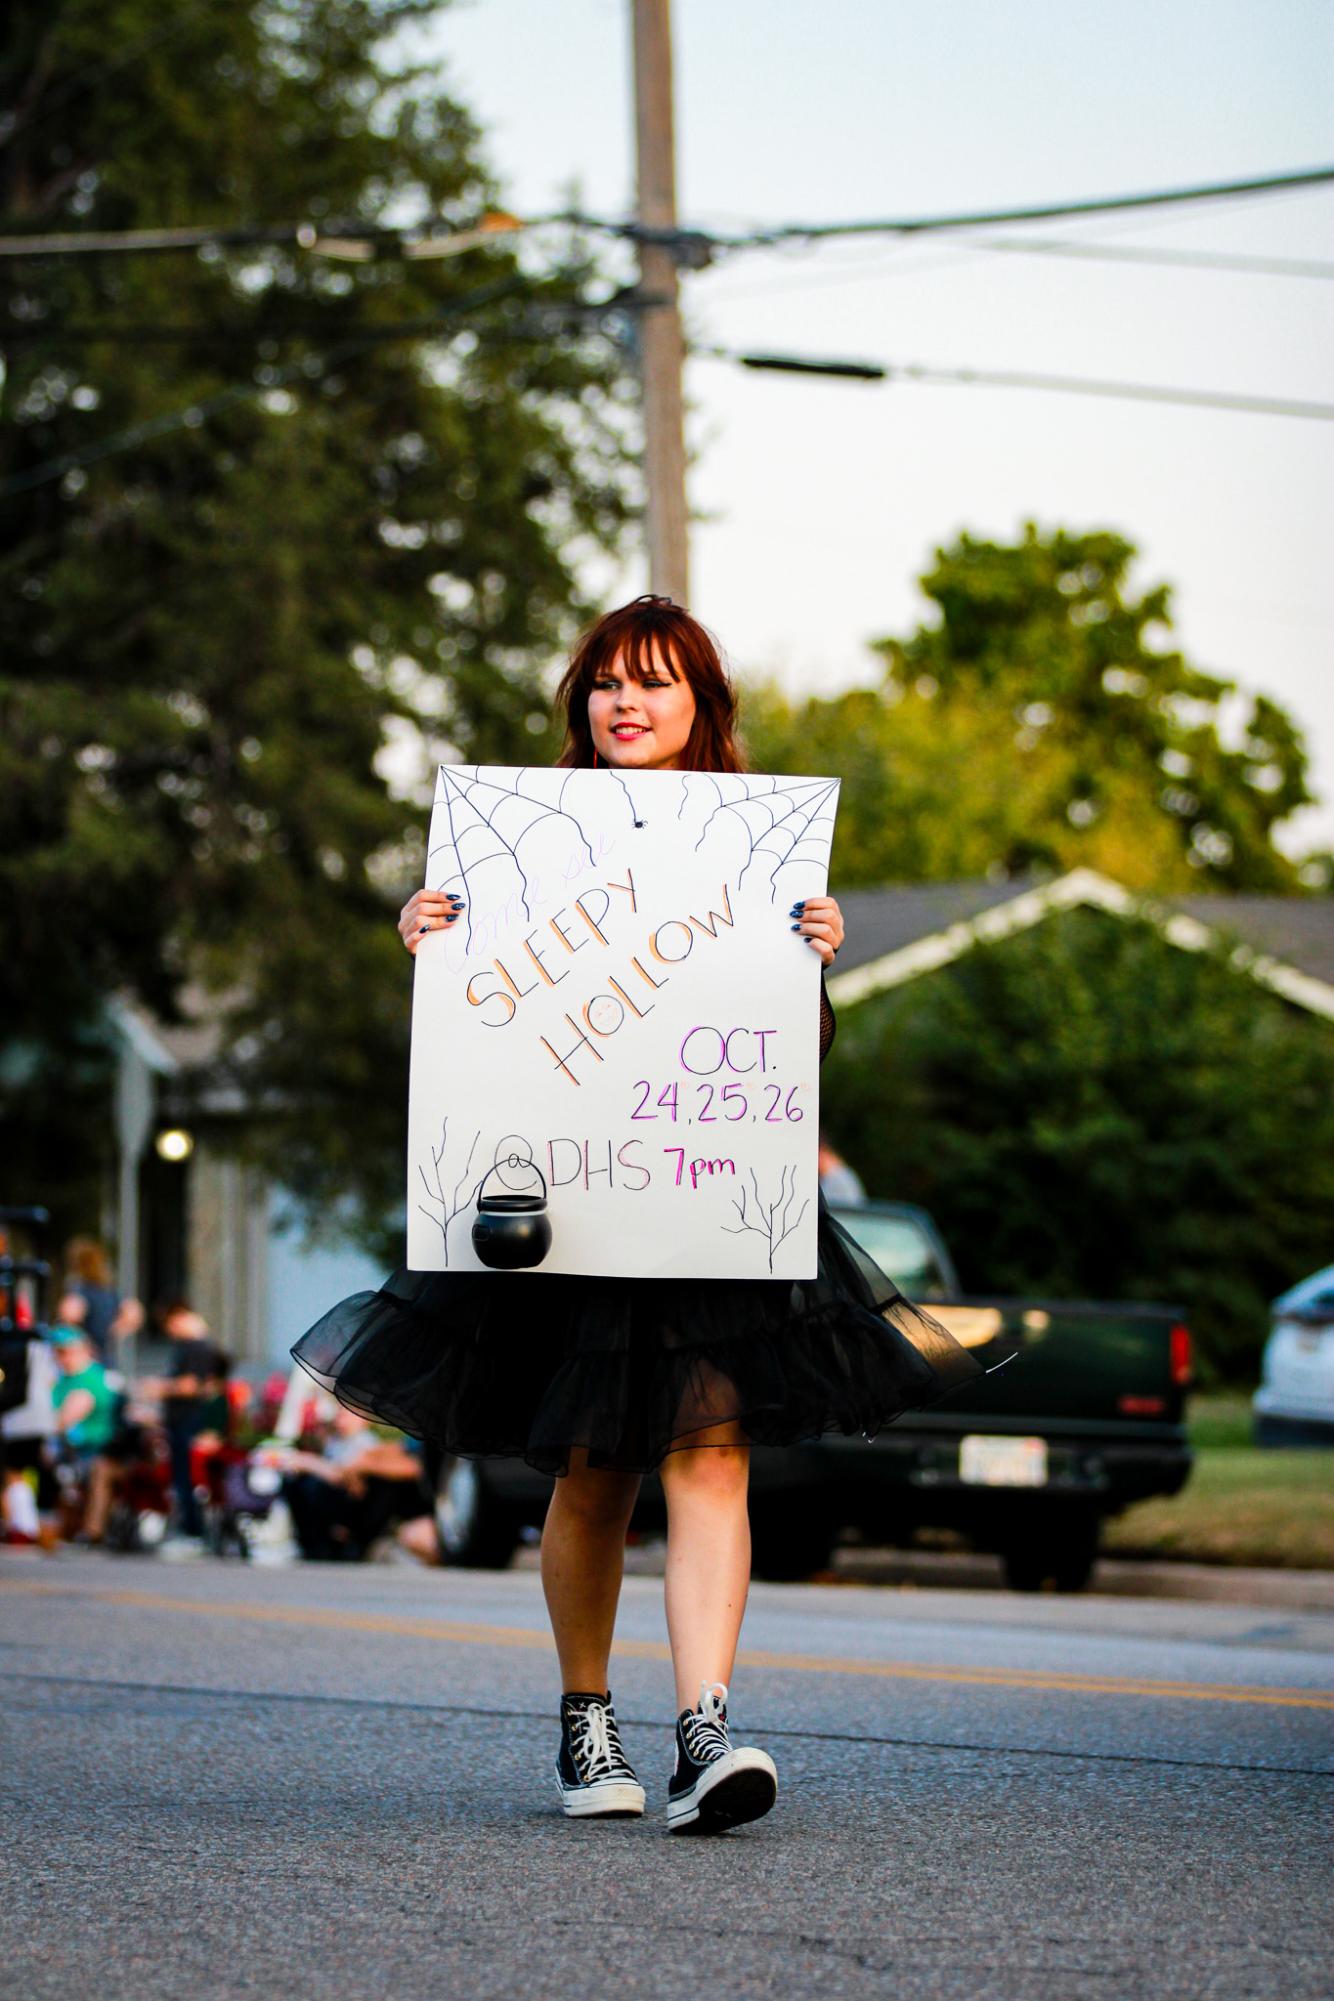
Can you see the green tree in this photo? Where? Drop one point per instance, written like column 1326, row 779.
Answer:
column 1091, row 1112
column 1034, row 723
column 264, row 556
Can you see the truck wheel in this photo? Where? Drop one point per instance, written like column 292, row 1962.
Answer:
column 1024, row 1568
column 788, row 1543
column 476, row 1532
column 1076, row 1559
column 1063, row 1553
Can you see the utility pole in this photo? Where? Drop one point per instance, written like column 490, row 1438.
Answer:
column 660, row 340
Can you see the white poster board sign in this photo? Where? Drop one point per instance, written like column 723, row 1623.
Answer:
column 624, row 1004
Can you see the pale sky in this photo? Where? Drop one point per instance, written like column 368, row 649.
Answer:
column 822, row 501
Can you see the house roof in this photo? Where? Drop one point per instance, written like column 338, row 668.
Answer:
column 1298, row 929
column 899, row 932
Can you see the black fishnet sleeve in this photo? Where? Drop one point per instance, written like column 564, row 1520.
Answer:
column 828, row 1021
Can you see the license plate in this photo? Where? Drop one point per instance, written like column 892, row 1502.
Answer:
column 1002, row 1462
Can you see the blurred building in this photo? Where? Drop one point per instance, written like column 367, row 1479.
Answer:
column 192, row 1219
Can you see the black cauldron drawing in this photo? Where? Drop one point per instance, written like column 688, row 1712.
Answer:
column 511, row 1232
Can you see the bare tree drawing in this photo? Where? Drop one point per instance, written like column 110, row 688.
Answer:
column 772, row 1221
column 437, row 1199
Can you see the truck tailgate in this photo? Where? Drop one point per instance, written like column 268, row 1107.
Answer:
column 1074, row 1360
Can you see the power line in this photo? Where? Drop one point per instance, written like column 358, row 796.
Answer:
column 215, row 333
column 897, row 259
column 995, row 378
column 540, row 323
column 1134, row 253
column 1049, row 212
column 350, row 239
column 355, row 242
column 193, row 415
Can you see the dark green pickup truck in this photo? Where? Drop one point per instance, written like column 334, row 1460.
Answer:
column 1087, row 1417
column 1029, row 1461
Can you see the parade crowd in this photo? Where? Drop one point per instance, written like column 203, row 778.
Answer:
column 191, row 1457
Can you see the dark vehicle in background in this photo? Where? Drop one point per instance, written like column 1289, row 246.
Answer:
column 1087, row 1417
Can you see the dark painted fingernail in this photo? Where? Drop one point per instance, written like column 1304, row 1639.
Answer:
column 796, row 927
column 421, row 928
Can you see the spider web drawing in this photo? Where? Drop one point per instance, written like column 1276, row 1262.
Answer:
column 635, row 819
column 773, row 1221
column 790, row 823
column 492, row 824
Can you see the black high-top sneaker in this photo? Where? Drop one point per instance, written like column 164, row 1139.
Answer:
column 593, row 1774
column 716, row 1783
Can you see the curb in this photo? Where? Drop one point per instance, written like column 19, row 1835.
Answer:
column 1115, row 1577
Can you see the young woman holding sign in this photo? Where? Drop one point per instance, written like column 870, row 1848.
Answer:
column 619, row 1376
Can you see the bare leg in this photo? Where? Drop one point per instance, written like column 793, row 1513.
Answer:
column 708, row 1557
column 101, row 1484
column 583, row 1556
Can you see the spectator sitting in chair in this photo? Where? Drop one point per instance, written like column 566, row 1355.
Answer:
column 87, row 1410
column 193, row 1400
column 345, row 1497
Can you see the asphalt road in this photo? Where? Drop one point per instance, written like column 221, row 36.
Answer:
column 335, row 1782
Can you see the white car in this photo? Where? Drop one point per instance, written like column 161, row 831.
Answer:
column 1294, row 1404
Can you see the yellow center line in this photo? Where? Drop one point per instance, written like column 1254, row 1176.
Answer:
column 462, row 1633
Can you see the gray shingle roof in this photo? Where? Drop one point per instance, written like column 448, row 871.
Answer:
column 884, row 920
column 1297, row 930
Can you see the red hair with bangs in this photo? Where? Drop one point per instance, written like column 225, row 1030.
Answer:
column 636, row 631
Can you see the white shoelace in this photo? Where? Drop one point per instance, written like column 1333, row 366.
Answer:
column 705, row 1728
column 596, row 1744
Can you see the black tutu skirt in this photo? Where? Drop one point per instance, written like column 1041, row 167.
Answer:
column 516, row 1366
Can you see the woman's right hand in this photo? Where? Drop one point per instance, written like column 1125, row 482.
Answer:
column 427, row 910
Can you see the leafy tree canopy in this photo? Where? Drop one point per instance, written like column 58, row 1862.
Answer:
column 252, row 536
column 1090, row 1112
column 1036, row 723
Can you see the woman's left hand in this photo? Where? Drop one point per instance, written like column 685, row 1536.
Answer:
column 820, row 922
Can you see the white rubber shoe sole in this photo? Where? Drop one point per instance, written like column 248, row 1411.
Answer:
column 740, row 1786
column 607, row 1799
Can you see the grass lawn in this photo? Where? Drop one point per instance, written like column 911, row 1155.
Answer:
column 1239, row 1505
